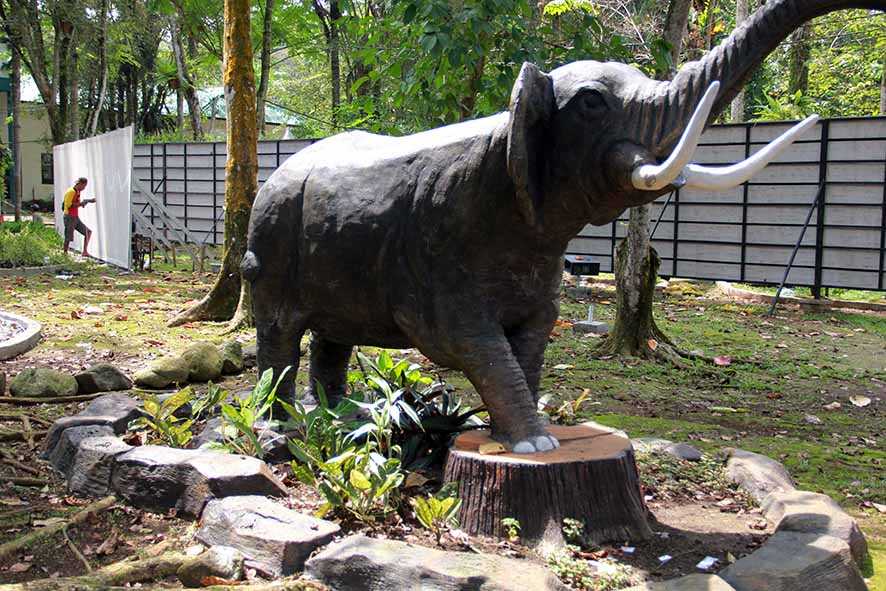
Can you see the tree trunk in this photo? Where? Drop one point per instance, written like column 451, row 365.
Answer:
column 264, row 80
column 184, row 78
column 634, row 331
column 738, row 105
column 603, row 487
column 16, row 80
column 103, row 66
column 334, row 59
column 709, row 26
column 73, row 92
column 180, row 111
column 798, row 72
column 229, row 297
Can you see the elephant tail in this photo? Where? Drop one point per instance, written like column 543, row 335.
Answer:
column 250, row 266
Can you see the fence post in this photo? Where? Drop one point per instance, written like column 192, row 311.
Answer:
column 612, row 246
column 744, row 204
column 881, row 268
column 185, row 176
column 676, row 233
column 822, row 198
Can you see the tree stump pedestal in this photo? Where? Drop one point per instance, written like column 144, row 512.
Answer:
column 592, row 477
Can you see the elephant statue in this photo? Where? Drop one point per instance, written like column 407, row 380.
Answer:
column 452, row 240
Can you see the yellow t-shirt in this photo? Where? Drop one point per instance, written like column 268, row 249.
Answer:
column 69, row 200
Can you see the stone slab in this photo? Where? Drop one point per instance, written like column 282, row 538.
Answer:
column 102, row 377
column 90, row 473
column 275, row 540
column 590, row 327
column 359, row 563
column 63, row 453
column 114, row 410
column 757, row 474
column 20, row 342
column 791, row 561
column 161, row 478
column 813, row 513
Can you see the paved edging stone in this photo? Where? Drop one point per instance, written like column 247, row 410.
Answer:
column 23, row 341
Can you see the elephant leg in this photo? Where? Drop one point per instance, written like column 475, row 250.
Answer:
column 329, row 368
column 278, row 341
column 494, row 370
column 528, row 342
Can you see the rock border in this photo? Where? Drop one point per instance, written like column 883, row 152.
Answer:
column 816, row 545
column 761, row 298
column 23, row 341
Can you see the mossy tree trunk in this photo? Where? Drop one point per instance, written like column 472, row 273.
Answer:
column 229, row 298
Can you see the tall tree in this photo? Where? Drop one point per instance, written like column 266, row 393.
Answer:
column 185, row 82
column 15, row 68
column 103, row 66
column 330, row 15
column 737, row 109
column 798, row 68
column 230, row 297
column 634, row 331
column 264, row 79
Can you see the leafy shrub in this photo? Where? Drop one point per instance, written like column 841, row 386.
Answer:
column 512, row 527
column 579, row 575
column 24, row 244
column 242, row 417
column 438, row 512
column 418, row 416
column 161, row 423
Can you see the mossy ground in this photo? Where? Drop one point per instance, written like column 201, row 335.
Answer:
column 782, row 369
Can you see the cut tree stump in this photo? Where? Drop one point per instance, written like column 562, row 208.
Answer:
column 592, row 477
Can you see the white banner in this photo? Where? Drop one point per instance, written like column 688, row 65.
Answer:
column 106, row 162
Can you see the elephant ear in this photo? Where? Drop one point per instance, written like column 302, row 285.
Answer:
column 532, row 104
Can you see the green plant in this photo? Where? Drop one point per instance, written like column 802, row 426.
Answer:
column 162, row 424
column 29, row 244
column 578, row 574
column 413, row 417
column 213, row 397
column 438, row 512
column 244, row 415
column 512, row 528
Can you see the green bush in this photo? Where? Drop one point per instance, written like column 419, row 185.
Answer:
column 29, row 244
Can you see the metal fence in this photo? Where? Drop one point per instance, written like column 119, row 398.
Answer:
column 746, row 234
column 190, row 179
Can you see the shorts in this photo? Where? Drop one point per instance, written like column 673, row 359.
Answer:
column 74, row 223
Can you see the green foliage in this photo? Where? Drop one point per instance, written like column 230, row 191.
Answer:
column 241, row 416
column 568, row 411
column 28, row 244
column 438, row 512
column 579, row 575
column 412, row 416
column 512, row 528
column 784, row 108
column 161, row 423
column 204, row 403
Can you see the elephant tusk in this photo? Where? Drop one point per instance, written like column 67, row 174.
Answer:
column 726, row 177
column 652, row 177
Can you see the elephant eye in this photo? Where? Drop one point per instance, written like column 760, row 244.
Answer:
column 593, row 100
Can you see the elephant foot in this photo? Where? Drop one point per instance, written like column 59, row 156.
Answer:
column 537, row 440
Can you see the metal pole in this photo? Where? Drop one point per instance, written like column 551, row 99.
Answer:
column 661, row 214
column 819, row 233
column 796, row 248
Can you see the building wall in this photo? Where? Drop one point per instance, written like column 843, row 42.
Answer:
column 36, row 141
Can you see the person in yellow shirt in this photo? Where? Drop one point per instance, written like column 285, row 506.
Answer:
column 71, row 209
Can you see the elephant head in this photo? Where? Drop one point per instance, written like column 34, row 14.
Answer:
column 596, row 138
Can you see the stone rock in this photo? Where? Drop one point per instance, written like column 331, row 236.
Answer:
column 112, row 410
column 273, row 442
column 358, row 563
column 683, row 451
column 590, row 327
column 688, row 583
column 219, row 561
column 650, row 444
column 62, row 455
column 162, row 373
column 42, row 382
column 211, row 433
column 90, row 472
column 102, row 377
column 275, row 540
column 232, row 357
column 160, row 478
column 757, row 474
column 250, row 354
column 204, row 362
column 813, row 513
column 792, row 561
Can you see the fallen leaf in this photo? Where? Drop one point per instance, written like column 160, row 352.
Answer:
column 415, row 479
column 108, row 546
column 47, row 522
column 561, row 366
column 20, row 567
column 722, row 360
column 859, row 401
column 653, row 344
column 121, row 317
column 492, row 448
column 213, row 580
column 832, row 406
column 76, row 314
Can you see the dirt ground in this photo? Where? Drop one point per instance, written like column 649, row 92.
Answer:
column 807, row 388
